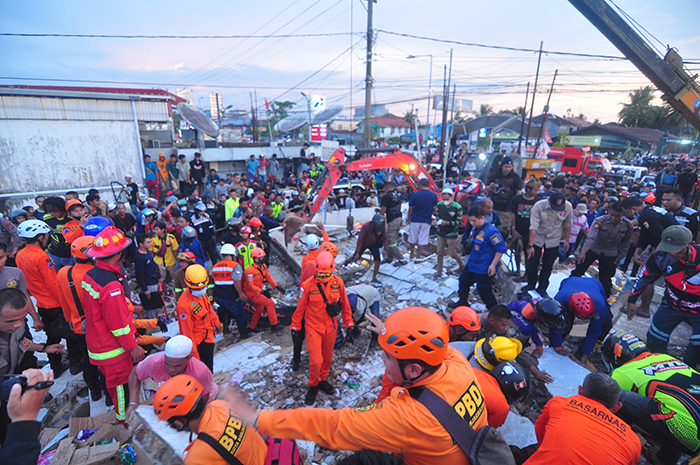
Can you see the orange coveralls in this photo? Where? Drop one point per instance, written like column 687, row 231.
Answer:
column 321, row 328
column 220, row 423
column 400, row 424
column 40, row 275
column 496, row 404
column 583, row 431
column 197, row 319
column 255, row 276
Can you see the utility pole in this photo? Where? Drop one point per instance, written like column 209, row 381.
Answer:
column 445, row 99
column 534, row 92
column 252, row 118
column 546, row 111
column 522, row 122
column 368, row 79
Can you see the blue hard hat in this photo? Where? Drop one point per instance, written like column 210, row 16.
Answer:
column 95, row 225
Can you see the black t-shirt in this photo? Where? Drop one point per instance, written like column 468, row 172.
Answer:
column 509, row 186
column 392, row 202
column 686, row 216
column 58, row 245
column 197, row 169
column 133, row 193
column 522, row 207
column 652, row 222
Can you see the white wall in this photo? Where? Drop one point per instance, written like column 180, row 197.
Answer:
column 39, row 155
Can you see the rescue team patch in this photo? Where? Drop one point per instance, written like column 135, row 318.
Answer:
column 233, row 435
column 496, row 240
column 470, row 404
column 183, row 316
column 26, row 343
column 115, row 292
column 197, row 308
column 49, row 264
column 66, row 230
column 596, row 225
column 251, row 277
column 301, row 292
column 367, row 408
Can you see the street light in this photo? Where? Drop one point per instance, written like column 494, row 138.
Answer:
column 308, row 106
column 430, row 90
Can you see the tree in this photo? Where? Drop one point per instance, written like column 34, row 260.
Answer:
column 563, row 141
column 278, row 111
column 639, row 112
column 485, row 109
column 515, row 111
column 582, row 116
column 410, row 117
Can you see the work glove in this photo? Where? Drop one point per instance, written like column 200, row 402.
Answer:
column 350, row 336
column 162, row 326
column 281, row 288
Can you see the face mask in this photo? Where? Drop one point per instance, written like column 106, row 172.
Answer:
column 199, row 293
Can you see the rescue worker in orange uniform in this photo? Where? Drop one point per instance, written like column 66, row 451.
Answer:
column 223, row 439
column 255, row 275
column 416, row 353
column 601, row 436
column 72, row 300
column 321, row 299
column 308, row 271
column 40, row 275
column 109, row 324
column 196, row 316
column 74, row 228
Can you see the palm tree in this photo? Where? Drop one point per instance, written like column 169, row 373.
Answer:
column 485, row 109
column 409, row 117
column 639, row 112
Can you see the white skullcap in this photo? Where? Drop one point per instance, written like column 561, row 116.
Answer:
column 178, row 347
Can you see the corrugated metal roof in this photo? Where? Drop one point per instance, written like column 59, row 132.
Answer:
column 88, row 92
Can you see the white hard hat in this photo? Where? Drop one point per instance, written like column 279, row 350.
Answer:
column 312, row 241
column 178, row 347
column 447, row 190
column 228, row 249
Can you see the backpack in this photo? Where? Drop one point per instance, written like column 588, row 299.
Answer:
column 279, row 451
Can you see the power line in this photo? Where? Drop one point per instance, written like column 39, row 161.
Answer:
column 500, row 47
column 116, row 36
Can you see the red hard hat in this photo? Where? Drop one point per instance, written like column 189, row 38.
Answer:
column 109, row 242
column 465, row 317
column 246, row 230
column 582, row 305
column 255, row 222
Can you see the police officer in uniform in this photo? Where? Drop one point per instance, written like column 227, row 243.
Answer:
column 9, row 237
column 607, row 242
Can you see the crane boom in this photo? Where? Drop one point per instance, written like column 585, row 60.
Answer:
column 679, row 89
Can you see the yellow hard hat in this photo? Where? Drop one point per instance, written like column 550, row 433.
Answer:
column 495, row 350
column 196, row 277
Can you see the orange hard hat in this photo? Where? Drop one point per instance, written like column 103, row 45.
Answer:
column 109, row 242
column 79, row 246
column 73, row 203
column 415, row 333
column 257, row 253
column 465, row 317
column 255, row 222
column 325, row 264
column 177, row 397
column 651, row 198
column 329, row 247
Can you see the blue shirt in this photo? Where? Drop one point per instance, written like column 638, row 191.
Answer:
column 151, row 170
column 196, row 248
column 595, row 290
column 526, row 327
column 380, row 177
column 423, row 202
column 487, row 243
column 252, row 166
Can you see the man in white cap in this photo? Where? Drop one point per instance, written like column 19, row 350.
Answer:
column 449, row 220
column 176, row 360
column 132, row 190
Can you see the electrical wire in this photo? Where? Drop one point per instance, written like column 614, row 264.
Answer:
column 115, row 36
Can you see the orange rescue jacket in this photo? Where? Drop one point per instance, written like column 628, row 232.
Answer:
column 255, row 276
column 40, row 275
column 242, row 441
column 65, row 295
column 312, row 307
column 400, row 424
column 196, row 318
column 72, row 230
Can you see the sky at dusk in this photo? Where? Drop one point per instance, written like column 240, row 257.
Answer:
column 334, row 65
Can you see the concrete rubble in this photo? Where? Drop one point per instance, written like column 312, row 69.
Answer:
column 260, row 366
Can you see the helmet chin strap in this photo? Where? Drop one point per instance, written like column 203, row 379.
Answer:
column 407, row 382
